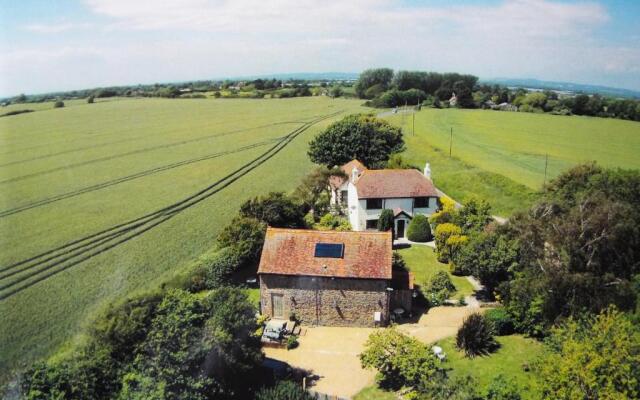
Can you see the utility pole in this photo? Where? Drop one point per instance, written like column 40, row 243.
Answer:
column 546, row 162
column 414, row 123
column 450, row 141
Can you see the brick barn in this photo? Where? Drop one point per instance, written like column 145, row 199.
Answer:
column 331, row 278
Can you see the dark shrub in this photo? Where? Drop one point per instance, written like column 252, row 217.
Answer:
column 90, row 100
column 475, row 336
column 275, row 209
column 220, row 267
column 500, row 320
column 419, row 229
column 440, row 289
column 246, row 236
column 385, row 222
column 58, row 104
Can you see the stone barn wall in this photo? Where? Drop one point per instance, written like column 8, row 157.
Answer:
column 327, row 301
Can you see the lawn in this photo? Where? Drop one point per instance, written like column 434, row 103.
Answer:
column 500, row 156
column 153, row 179
column 421, row 260
column 515, row 352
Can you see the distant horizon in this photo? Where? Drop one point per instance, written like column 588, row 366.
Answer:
column 72, row 44
column 298, row 75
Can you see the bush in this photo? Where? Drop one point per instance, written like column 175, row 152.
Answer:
column 90, row 100
column 58, row 104
column 401, row 361
column 292, row 342
column 442, row 234
column 275, row 209
column 385, row 222
column 419, row 229
column 440, row 288
column 245, row 236
column 333, row 222
column 220, row 268
column 475, row 336
column 501, row 321
column 283, row 390
column 502, row 389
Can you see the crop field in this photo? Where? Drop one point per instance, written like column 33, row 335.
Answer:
column 100, row 200
column 489, row 145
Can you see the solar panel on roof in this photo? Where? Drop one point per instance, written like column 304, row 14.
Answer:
column 329, row 250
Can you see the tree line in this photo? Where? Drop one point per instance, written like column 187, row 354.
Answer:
column 382, row 87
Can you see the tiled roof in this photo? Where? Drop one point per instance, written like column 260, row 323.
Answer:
column 397, row 211
column 367, row 255
column 389, row 183
column 337, row 181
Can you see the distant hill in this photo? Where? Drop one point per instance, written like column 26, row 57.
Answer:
column 308, row 76
column 565, row 86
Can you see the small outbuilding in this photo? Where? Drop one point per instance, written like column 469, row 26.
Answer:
column 331, row 278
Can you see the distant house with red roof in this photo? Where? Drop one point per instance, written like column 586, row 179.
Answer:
column 331, row 278
column 366, row 192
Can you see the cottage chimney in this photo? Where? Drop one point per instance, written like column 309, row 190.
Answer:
column 354, row 174
column 427, row 171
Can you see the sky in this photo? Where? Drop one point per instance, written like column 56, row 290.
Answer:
column 49, row 45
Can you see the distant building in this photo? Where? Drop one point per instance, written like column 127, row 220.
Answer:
column 363, row 196
column 453, row 101
column 331, row 278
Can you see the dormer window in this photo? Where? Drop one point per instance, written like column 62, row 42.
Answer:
column 374, row 204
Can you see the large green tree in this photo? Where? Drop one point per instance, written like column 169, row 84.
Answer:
column 371, row 77
column 593, row 358
column 363, row 137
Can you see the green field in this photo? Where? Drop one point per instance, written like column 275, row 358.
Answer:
column 500, row 156
column 422, row 261
column 99, row 200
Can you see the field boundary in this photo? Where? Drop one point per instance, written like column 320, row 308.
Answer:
column 56, row 260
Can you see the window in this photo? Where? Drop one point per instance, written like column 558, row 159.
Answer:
column 344, row 196
column 329, row 250
column 372, row 224
column 421, row 202
column 374, row 204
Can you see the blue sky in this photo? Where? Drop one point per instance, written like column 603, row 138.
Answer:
column 74, row 44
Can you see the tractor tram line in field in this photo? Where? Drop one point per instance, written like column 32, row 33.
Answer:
column 127, row 178
column 33, row 270
column 126, row 154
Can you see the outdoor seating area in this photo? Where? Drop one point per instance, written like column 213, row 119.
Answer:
column 277, row 331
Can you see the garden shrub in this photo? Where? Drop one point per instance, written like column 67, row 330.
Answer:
column 292, row 342
column 500, row 320
column 475, row 336
column 245, row 236
column 401, row 360
column 220, row 267
column 440, row 288
column 385, row 222
column 442, row 233
column 503, row 389
column 332, row 222
column 419, row 229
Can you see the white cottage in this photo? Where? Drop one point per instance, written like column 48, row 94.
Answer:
column 366, row 192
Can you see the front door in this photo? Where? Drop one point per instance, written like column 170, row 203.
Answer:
column 277, row 305
column 400, row 228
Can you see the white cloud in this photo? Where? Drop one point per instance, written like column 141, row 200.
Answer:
column 55, row 27
column 154, row 40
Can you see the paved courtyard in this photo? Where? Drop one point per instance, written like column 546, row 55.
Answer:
column 332, row 352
